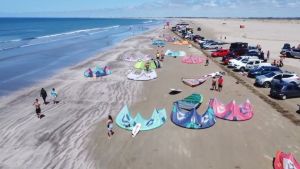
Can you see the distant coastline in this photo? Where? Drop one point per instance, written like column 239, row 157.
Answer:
column 260, row 18
column 155, row 18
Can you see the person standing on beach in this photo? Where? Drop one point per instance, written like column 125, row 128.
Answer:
column 262, row 55
column 268, row 55
column 214, row 83
column 54, row 95
column 157, row 55
column 43, row 94
column 220, row 83
column 147, row 66
column 109, row 125
column 206, row 61
column 37, row 108
column 162, row 55
column 280, row 62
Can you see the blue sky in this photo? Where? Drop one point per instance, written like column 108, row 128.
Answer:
column 150, row 8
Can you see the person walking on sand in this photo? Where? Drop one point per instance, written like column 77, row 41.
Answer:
column 157, row 55
column 54, row 95
column 37, row 108
column 268, row 55
column 214, row 83
column 274, row 63
column 109, row 125
column 147, row 66
column 206, row 61
column 220, row 83
column 280, row 62
column 162, row 56
column 43, row 94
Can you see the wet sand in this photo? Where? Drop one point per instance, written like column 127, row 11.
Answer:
column 73, row 133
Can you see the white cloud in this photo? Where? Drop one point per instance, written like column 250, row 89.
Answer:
column 196, row 8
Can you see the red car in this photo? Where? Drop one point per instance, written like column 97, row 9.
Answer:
column 226, row 59
column 220, row 53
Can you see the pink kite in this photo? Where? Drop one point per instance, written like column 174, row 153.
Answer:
column 285, row 161
column 232, row 111
column 193, row 82
column 192, row 60
column 169, row 38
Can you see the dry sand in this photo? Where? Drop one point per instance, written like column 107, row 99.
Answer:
column 246, row 145
column 73, row 133
column 270, row 34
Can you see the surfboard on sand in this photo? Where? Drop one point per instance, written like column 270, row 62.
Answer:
column 174, row 91
column 136, row 129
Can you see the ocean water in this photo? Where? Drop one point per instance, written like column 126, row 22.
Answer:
column 32, row 49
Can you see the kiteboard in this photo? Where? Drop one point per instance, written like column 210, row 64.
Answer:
column 174, row 91
column 136, row 129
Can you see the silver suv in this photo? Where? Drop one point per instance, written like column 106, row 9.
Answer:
column 294, row 52
column 266, row 80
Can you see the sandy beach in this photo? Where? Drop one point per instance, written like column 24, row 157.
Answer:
column 270, row 34
column 73, row 133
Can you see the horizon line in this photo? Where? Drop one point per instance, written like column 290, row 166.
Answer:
column 172, row 17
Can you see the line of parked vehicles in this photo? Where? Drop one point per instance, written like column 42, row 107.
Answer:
column 283, row 84
column 241, row 57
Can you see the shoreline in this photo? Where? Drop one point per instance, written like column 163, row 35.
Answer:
column 73, row 133
column 84, row 62
column 67, row 125
column 39, row 56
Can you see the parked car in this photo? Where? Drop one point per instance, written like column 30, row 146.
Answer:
column 262, row 71
column 253, row 48
column 265, row 80
column 284, row 90
column 260, row 65
column 252, row 53
column 213, row 45
column 220, row 53
column 205, row 42
column 243, row 59
column 174, row 28
column 239, row 48
column 288, row 77
column 294, row 52
column 197, row 37
column 227, row 58
column 286, row 47
column 246, row 64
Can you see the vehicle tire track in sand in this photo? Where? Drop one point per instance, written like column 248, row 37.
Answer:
column 284, row 112
column 60, row 139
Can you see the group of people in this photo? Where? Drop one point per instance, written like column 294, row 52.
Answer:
column 160, row 55
column 218, row 82
column 44, row 95
column 278, row 63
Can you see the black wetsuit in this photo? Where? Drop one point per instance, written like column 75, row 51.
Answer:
column 44, row 95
